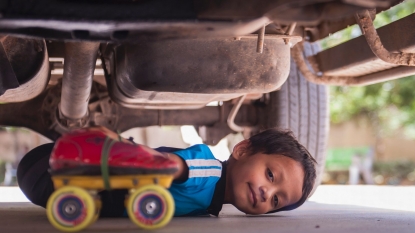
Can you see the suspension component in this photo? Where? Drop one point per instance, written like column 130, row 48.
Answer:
column 79, row 66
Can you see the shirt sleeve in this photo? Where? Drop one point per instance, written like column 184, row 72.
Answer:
column 204, row 168
column 195, row 194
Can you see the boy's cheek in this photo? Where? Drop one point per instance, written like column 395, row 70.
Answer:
column 242, row 203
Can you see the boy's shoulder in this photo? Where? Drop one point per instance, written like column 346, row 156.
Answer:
column 194, row 196
column 198, row 151
column 203, row 167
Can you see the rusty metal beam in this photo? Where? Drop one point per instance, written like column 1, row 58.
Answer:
column 298, row 56
column 373, row 40
column 355, row 58
column 377, row 77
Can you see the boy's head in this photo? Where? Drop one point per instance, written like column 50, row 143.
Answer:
column 269, row 172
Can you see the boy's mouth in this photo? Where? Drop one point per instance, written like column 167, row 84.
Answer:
column 253, row 196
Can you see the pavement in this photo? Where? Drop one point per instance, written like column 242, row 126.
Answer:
column 372, row 209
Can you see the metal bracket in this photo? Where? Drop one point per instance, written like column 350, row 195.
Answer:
column 298, row 56
column 247, row 130
column 260, row 41
column 373, row 40
column 232, row 115
column 71, row 124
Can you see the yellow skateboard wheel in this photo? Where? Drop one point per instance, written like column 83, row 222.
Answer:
column 150, row 207
column 71, row 209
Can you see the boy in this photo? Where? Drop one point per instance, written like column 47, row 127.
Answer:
column 267, row 173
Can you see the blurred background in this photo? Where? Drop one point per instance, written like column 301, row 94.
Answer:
column 372, row 132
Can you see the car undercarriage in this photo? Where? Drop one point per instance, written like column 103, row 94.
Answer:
column 222, row 66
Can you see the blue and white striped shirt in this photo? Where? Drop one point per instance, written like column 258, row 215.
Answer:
column 194, row 196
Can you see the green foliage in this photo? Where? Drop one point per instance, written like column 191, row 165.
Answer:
column 2, row 171
column 389, row 105
column 340, row 159
column 399, row 169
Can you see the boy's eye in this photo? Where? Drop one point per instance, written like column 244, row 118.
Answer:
column 270, row 175
column 275, row 201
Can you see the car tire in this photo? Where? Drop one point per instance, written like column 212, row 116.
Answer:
column 302, row 107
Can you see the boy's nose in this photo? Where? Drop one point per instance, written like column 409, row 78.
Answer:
column 267, row 192
column 264, row 193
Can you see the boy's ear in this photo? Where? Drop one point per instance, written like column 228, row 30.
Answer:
column 241, row 149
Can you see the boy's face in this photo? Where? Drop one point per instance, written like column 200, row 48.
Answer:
column 259, row 183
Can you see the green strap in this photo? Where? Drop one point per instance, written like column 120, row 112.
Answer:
column 104, row 162
column 119, row 135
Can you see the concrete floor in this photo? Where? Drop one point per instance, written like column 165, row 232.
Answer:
column 314, row 216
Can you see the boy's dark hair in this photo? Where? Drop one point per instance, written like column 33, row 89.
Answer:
column 282, row 142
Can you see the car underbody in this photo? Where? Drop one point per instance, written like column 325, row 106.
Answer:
column 222, row 66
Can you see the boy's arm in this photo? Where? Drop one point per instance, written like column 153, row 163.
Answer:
column 183, row 172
